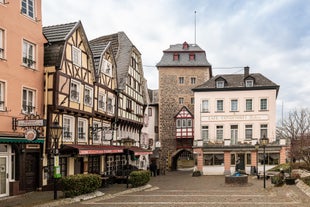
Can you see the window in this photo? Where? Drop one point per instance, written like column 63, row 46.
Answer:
column 192, row 56
column 28, row 106
column 106, row 67
column 75, row 91
column 28, row 54
column 220, row 84
column 129, row 106
column 234, row 134
column 249, row 83
column 248, row 132
column 220, row 105
column 205, row 133
column 234, row 105
column 248, row 105
column 28, row 8
column 192, row 100
column 68, row 128
column 101, row 101
column 183, row 123
column 88, row 96
column 82, row 129
column 219, row 132
column 248, row 158
column 263, row 130
column 181, row 100
column 2, row 98
column 193, row 80
column 263, row 104
column 270, row 158
column 181, row 80
column 175, row 56
column 76, row 56
column 213, row 159
column 110, row 105
column 96, row 133
column 94, row 164
column 1, row 1
column 204, row 106
column 179, row 123
column 1, row 43
column 150, row 111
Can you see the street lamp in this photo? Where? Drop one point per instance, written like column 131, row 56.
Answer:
column 55, row 132
column 127, row 142
column 256, row 148
column 264, row 142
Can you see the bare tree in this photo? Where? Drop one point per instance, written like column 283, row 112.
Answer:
column 296, row 130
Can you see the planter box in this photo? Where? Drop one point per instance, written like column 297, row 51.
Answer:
column 236, row 180
column 290, row 181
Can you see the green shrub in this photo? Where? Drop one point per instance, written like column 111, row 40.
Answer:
column 74, row 185
column 285, row 167
column 139, row 178
column 277, row 180
column 196, row 173
column 306, row 180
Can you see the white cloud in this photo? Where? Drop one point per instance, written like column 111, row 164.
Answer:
column 272, row 37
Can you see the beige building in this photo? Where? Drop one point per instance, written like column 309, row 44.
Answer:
column 232, row 113
column 181, row 68
column 22, row 131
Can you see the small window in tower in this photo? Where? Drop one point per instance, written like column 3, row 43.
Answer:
column 192, row 56
column 175, row 56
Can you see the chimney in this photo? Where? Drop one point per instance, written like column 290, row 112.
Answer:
column 246, row 71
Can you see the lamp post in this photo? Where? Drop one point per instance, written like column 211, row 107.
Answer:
column 256, row 148
column 127, row 142
column 55, row 132
column 264, row 142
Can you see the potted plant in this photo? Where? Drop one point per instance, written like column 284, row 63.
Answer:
column 277, row 180
column 292, row 178
column 196, row 173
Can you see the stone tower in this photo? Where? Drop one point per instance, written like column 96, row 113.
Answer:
column 181, row 68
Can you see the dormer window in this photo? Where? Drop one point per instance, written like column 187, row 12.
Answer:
column 176, row 56
column 249, row 83
column 185, row 45
column 220, row 84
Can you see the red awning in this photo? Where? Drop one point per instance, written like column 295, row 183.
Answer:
column 140, row 151
column 91, row 149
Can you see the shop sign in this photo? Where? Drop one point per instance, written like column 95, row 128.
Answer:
column 31, row 123
column 31, row 134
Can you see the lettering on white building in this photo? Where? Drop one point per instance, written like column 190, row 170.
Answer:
column 235, row 118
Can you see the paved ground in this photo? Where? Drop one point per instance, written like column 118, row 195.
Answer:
column 178, row 189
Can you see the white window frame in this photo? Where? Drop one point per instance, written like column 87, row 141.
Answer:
column 68, row 128
column 249, row 83
column 76, row 56
column 28, row 56
column 28, row 8
column 234, row 105
column 110, row 105
column 181, row 80
column 193, row 80
column 181, row 100
column 205, row 133
column 263, row 106
column 1, row 43
column 248, row 104
column 88, row 96
column 220, row 107
column 234, row 134
column 102, row 101
column 75, row 91
column 97, row 135
column 106, row 67
column 220, row 84
column 82, row 130
column 179, row 123
column 219, row 132
column 2, row 96
column 204, row 106
column 248, row 132
column 263, row 130
column 28, row 101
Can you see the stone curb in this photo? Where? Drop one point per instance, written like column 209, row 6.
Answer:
column 96, row 194
column 303, row 187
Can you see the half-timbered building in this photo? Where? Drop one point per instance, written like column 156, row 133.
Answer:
column 131, row 95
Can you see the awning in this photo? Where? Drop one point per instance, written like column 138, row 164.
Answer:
column 21, row 140
column 90, row 149
column 140, row 151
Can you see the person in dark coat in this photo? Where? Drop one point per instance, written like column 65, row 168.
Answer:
column 153, row 168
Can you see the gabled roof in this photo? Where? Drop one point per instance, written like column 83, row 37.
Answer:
column 184, row 113
column 200, row 56
column 122, row 49
column 57, row 35
column 237, row 82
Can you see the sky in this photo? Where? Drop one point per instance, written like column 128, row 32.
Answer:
column 272, row 37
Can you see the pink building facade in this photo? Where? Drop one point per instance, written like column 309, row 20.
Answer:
column 21, row 96
column 232, row 113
